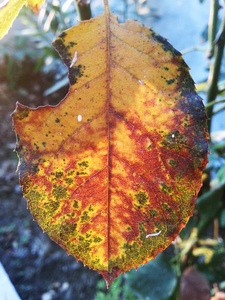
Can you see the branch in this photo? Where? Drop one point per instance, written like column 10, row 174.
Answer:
column 214, row 102
column 215, row 69
column 83, row 9
column 213, row 19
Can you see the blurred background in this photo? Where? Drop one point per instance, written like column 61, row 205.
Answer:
column 31, row 72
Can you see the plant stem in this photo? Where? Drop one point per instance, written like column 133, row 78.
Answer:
column 106, row 6
column 216, row 111
column 213, row 18
column 216, row 229
column 215, row 69
column 187, row 250
column 191, row 49
column 216, row 193
column 83, row 9
column 214, row 102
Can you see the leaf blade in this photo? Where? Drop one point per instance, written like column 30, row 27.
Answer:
column 121, row 156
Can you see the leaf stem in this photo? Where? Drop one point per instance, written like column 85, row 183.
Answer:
column 83, row 8
column 216, row 111
column 191, row 49
column 213, row 19
column 106, row 6
column 214, row 102
column 215, row 69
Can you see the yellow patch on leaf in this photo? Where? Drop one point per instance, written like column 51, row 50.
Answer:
column 113, row 171
column 11, row 10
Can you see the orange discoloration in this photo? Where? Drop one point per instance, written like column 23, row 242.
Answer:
column 121, row 157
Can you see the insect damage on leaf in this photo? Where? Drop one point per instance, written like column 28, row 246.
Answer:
column 113, row 171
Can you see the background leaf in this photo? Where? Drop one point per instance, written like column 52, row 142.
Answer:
column 156, row 280
column 9, row 12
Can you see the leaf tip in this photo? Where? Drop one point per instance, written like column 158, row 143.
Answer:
column 35, row 5
column 35, row 9
column 110, row 276
column 109, row 281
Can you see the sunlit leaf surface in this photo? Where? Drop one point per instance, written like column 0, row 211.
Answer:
column 112, row 173
column 10, row 10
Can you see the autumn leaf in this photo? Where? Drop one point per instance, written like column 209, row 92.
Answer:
column 9, row 10
column 113, row 171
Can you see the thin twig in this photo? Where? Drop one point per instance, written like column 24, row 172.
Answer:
column 216, row 111
column 214, row 102
column 194, row 48
column 215, row 69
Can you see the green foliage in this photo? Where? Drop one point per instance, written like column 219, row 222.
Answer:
column 34, row 43
column 210, row 257
column 118, row 290
column 156, row 280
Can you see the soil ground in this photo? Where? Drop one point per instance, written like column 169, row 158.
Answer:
column 38, row 268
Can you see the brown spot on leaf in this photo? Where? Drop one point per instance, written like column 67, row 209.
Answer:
column 59, row 192
column 141, row 197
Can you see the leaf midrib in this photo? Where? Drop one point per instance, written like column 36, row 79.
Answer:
column 108, row 38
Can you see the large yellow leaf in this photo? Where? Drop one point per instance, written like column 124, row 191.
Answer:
column 11, row 10
column 112, row 172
